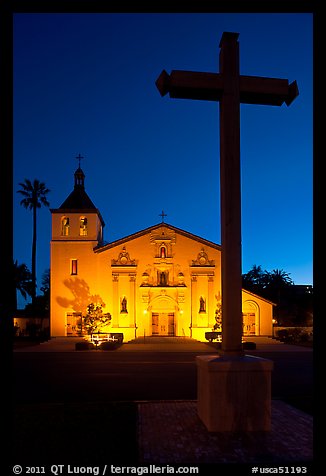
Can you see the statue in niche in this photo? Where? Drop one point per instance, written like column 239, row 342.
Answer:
column 124, row 305
column 202, row 304
column 163, row 278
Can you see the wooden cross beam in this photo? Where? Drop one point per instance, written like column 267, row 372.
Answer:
column 230, row 89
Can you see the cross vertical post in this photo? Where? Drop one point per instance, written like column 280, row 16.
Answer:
column 234, row 390
column 230, row 89
column 230, row 190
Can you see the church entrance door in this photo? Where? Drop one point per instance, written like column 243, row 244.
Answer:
column 74, row 324
column 163, row 323
column 249, row 323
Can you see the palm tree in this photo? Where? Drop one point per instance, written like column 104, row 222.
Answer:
column 255, row 279
column 34, row 197
column 279, row 290
column 278, row 282
column 23, row 280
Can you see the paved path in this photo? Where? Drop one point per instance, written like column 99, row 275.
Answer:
column 170, row 432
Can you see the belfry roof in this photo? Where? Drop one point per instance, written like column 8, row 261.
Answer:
column 78, row 200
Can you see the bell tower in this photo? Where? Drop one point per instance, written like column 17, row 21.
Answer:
column 77, row 219
column 77, row 228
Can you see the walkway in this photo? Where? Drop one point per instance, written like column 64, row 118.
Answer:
column 170, row 432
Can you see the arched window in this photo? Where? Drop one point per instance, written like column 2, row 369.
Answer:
column 64, row 226
column 83, row 226
column 163, row 251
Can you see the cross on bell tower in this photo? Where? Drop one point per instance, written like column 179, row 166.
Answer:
column 79, row 174
column 79, row 157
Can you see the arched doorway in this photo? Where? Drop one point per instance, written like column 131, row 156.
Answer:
column 250, row 318
column 163, row 309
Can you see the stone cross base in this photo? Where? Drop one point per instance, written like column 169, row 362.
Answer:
column 234, row 393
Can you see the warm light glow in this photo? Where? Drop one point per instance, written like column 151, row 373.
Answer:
column 144, row 294
column 98, row 338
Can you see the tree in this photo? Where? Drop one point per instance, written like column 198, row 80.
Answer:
column 278, row 283
column 41, row 305
column 218, row 318
column 45, row 288
column 34, row 197
column 95, row 319
column 255, row 280
column 23, row 280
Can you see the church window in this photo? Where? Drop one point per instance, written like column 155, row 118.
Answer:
column 83, row 226
column 202, row 304
column 163, row 251
column 64, row 226
column 73, row 270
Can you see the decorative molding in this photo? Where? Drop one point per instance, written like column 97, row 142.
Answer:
column 162, row 234
column 123, row 259
column 181, row 297
column 202, row 259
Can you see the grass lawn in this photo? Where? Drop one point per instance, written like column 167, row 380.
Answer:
column 80, row 433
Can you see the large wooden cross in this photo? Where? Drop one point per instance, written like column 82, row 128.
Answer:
column 230, row 89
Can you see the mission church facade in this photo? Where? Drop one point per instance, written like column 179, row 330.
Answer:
column 158, row 281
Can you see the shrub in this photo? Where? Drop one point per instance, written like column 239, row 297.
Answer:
column 210, row 336
column 82, row 346
column 109, row 345
column 249, row 345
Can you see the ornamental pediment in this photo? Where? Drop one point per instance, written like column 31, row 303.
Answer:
column 202, row 259
column 162, row 234
column 123, row 259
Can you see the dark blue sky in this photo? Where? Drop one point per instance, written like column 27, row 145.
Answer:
column 85, row 83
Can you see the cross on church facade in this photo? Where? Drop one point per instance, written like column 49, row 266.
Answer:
column 162, row 215
column 230, row 89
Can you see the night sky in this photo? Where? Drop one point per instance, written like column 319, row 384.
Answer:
column 85, row 84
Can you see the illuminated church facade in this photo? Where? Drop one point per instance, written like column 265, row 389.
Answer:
column 160, row 281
